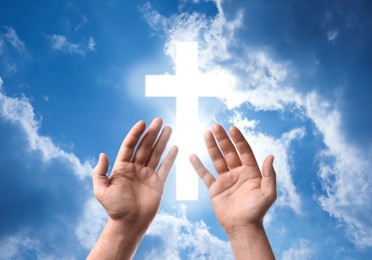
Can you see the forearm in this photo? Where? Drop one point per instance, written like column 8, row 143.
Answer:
column 251, row 243
column 117, row 241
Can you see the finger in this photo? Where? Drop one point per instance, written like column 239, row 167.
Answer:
column 268, row 182
column 159, row 148
column 200, row 169
column 214, row 152
column 229, row 151
column 246, row 153
column 100, row 179
column 167, row 164
column 145, row 147
column 127, row 147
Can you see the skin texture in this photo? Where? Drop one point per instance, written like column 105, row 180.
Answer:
column 241, row 195
column 133, row 192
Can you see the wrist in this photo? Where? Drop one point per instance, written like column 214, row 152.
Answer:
column 246, row 231
column 119, row 240
column 250, row 242
column 127, row 229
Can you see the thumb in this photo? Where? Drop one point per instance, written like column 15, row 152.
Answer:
column 268, row 182
column 100, row 179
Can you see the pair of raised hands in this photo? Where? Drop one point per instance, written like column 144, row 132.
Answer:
column 131, row 195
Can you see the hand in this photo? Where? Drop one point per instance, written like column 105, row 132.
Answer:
column 240, row 196
column 132, row 193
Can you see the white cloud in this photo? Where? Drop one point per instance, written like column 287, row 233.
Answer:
column 12, row 247
column 19, row 111
column 91, row 44
column 301, row 250
column 11, row 37
column 91, row 223
column 265, row 84
column 242, row 122
column 19, row 245
column 214, row 35
column 1, row 83
column 332, row 35
column 347, row 181
column 185, row 237
column 61, row 43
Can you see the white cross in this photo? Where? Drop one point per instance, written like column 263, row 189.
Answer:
column 187, row 85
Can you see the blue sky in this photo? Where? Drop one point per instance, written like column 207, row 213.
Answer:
column 72, row 83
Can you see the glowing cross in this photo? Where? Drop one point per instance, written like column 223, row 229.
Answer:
column 187, row 85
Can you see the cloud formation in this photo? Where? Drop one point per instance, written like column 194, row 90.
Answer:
column 43, row 185
column 346, row 180
column 301, row 250
column 19, row 111
column 332, row 35
column 61, row 43
column 185, row 238
column 42, row 194
column 9, row 40
column 18, row 244
column 12, row 38
column 91, row 44
column 91, row 223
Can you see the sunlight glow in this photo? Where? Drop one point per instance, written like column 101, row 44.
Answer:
column 187, row 86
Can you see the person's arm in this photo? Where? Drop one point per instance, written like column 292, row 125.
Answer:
column 132, row 193
column 251, row 243
column 117, row 241
column 241, row 195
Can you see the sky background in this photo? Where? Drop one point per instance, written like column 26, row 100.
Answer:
column 72, row 83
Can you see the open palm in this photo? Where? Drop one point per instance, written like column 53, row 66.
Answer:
column 240, row 195
column 133, row 192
